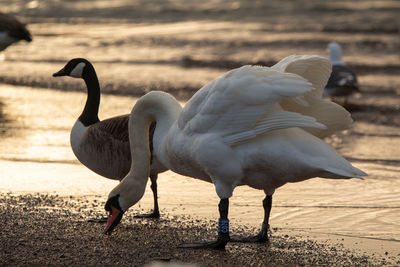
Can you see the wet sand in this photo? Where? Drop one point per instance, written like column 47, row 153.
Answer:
column 57, row 232
column 47, row 197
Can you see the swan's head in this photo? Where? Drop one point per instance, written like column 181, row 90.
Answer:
column 115, row 213
column 75, row 68
column 126, row 194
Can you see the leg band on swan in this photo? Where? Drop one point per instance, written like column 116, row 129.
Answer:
column 223, row 226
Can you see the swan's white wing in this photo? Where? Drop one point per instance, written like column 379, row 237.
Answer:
column 316, row 70
column 242, row 104
column 273, row 121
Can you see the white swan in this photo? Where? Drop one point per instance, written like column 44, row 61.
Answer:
column 12, row 31
column 254, row 126
column 103, row 146
column 343, row 81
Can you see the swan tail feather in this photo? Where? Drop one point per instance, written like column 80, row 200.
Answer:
column 351, row 172
column 334, row 116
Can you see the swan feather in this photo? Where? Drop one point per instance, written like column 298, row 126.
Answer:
column 239, row 103
column 316, row 70
column 274, row 121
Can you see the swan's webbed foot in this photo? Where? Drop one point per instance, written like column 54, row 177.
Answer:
column 154, row 215
column 223, row 230
column 261, row 237
column 100, row 220
column 220, row 243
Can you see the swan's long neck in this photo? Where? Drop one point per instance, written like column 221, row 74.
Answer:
column 89, row 115
column 158, row 107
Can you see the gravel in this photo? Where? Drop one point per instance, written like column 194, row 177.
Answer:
column 42, row 229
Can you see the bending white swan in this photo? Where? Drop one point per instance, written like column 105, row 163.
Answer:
column 254, row 126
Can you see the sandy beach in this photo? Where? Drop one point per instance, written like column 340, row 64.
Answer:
column 57, row 232
column 47, row 198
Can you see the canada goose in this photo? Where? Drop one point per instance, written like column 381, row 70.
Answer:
column 103, row 146
column 254, row 126
column 12, row 31
column 343, row 80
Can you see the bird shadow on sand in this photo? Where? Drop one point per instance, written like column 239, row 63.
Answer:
column 376, row 114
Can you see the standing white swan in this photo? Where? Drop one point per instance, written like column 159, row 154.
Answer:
column 254, row 126
column 103, row 146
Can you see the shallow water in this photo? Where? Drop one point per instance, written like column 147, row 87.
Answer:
column 35, row 156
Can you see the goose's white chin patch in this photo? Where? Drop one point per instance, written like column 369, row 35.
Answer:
column 77, row 71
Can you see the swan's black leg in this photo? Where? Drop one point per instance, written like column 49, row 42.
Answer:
column 223, row 230
column 262, row 236
column 156, row 213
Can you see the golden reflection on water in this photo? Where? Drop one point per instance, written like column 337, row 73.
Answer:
column 35, row 156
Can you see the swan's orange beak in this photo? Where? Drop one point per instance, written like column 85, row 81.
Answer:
column 115, row 215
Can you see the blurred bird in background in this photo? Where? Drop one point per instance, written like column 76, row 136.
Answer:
column 12, row 31
column 343, row 81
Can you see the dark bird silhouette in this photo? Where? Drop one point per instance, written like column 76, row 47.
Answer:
column 343, row 80
column 12, row 31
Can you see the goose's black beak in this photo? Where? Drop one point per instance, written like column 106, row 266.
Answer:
column 60, row 73
column 115, row 214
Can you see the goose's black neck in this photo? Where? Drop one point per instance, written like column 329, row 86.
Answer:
column 89, row 115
